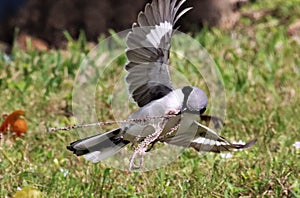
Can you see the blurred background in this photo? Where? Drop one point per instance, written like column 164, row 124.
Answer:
column 46, row 20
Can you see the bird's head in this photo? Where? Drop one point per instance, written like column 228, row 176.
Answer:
column 195, row 100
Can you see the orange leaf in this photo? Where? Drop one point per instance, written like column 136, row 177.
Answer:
column 19, row 126
column 11, row 119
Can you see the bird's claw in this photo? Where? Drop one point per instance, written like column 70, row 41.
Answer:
column 132, row 165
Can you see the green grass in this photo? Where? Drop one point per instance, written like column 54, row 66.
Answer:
column 260, row 66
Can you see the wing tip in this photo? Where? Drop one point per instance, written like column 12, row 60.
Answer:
column 77, row 151
column 245, row 146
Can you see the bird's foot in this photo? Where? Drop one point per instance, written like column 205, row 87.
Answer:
column 132, row 165
column 143, row 147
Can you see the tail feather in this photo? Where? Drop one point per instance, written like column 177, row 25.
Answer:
column 99, row 147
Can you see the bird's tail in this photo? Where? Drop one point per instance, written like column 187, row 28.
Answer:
column 99, row 147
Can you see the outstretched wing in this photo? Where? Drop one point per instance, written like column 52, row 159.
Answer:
column 204, row 143
column 206, row 140
column 148, row 46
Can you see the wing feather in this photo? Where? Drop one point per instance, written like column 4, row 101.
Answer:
column 148, row 46
column 206, row 140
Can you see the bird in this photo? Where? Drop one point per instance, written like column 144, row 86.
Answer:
column 150, row 86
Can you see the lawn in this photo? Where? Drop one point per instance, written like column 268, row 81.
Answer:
column 260, row 66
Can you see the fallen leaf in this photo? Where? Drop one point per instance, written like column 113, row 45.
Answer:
column 14, row 123
column 19, row 126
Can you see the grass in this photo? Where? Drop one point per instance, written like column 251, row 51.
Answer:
column 259, row 64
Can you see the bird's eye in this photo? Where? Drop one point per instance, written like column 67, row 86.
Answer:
column 202, row 110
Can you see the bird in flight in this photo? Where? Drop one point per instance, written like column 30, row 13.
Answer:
column 176, row 110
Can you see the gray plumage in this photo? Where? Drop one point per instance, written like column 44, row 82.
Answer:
column 150, row 85
column 149, row 49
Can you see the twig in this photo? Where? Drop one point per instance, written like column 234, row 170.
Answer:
column 98, row 124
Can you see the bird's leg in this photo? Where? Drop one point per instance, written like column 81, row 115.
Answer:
column 170, row 133
column 143, row 146
column 132, row 165
column 172, row 112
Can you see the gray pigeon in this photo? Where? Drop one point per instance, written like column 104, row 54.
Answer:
column 150, row 86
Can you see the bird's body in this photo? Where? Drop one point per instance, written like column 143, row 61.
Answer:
column 137, row 132
column 175, row 111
